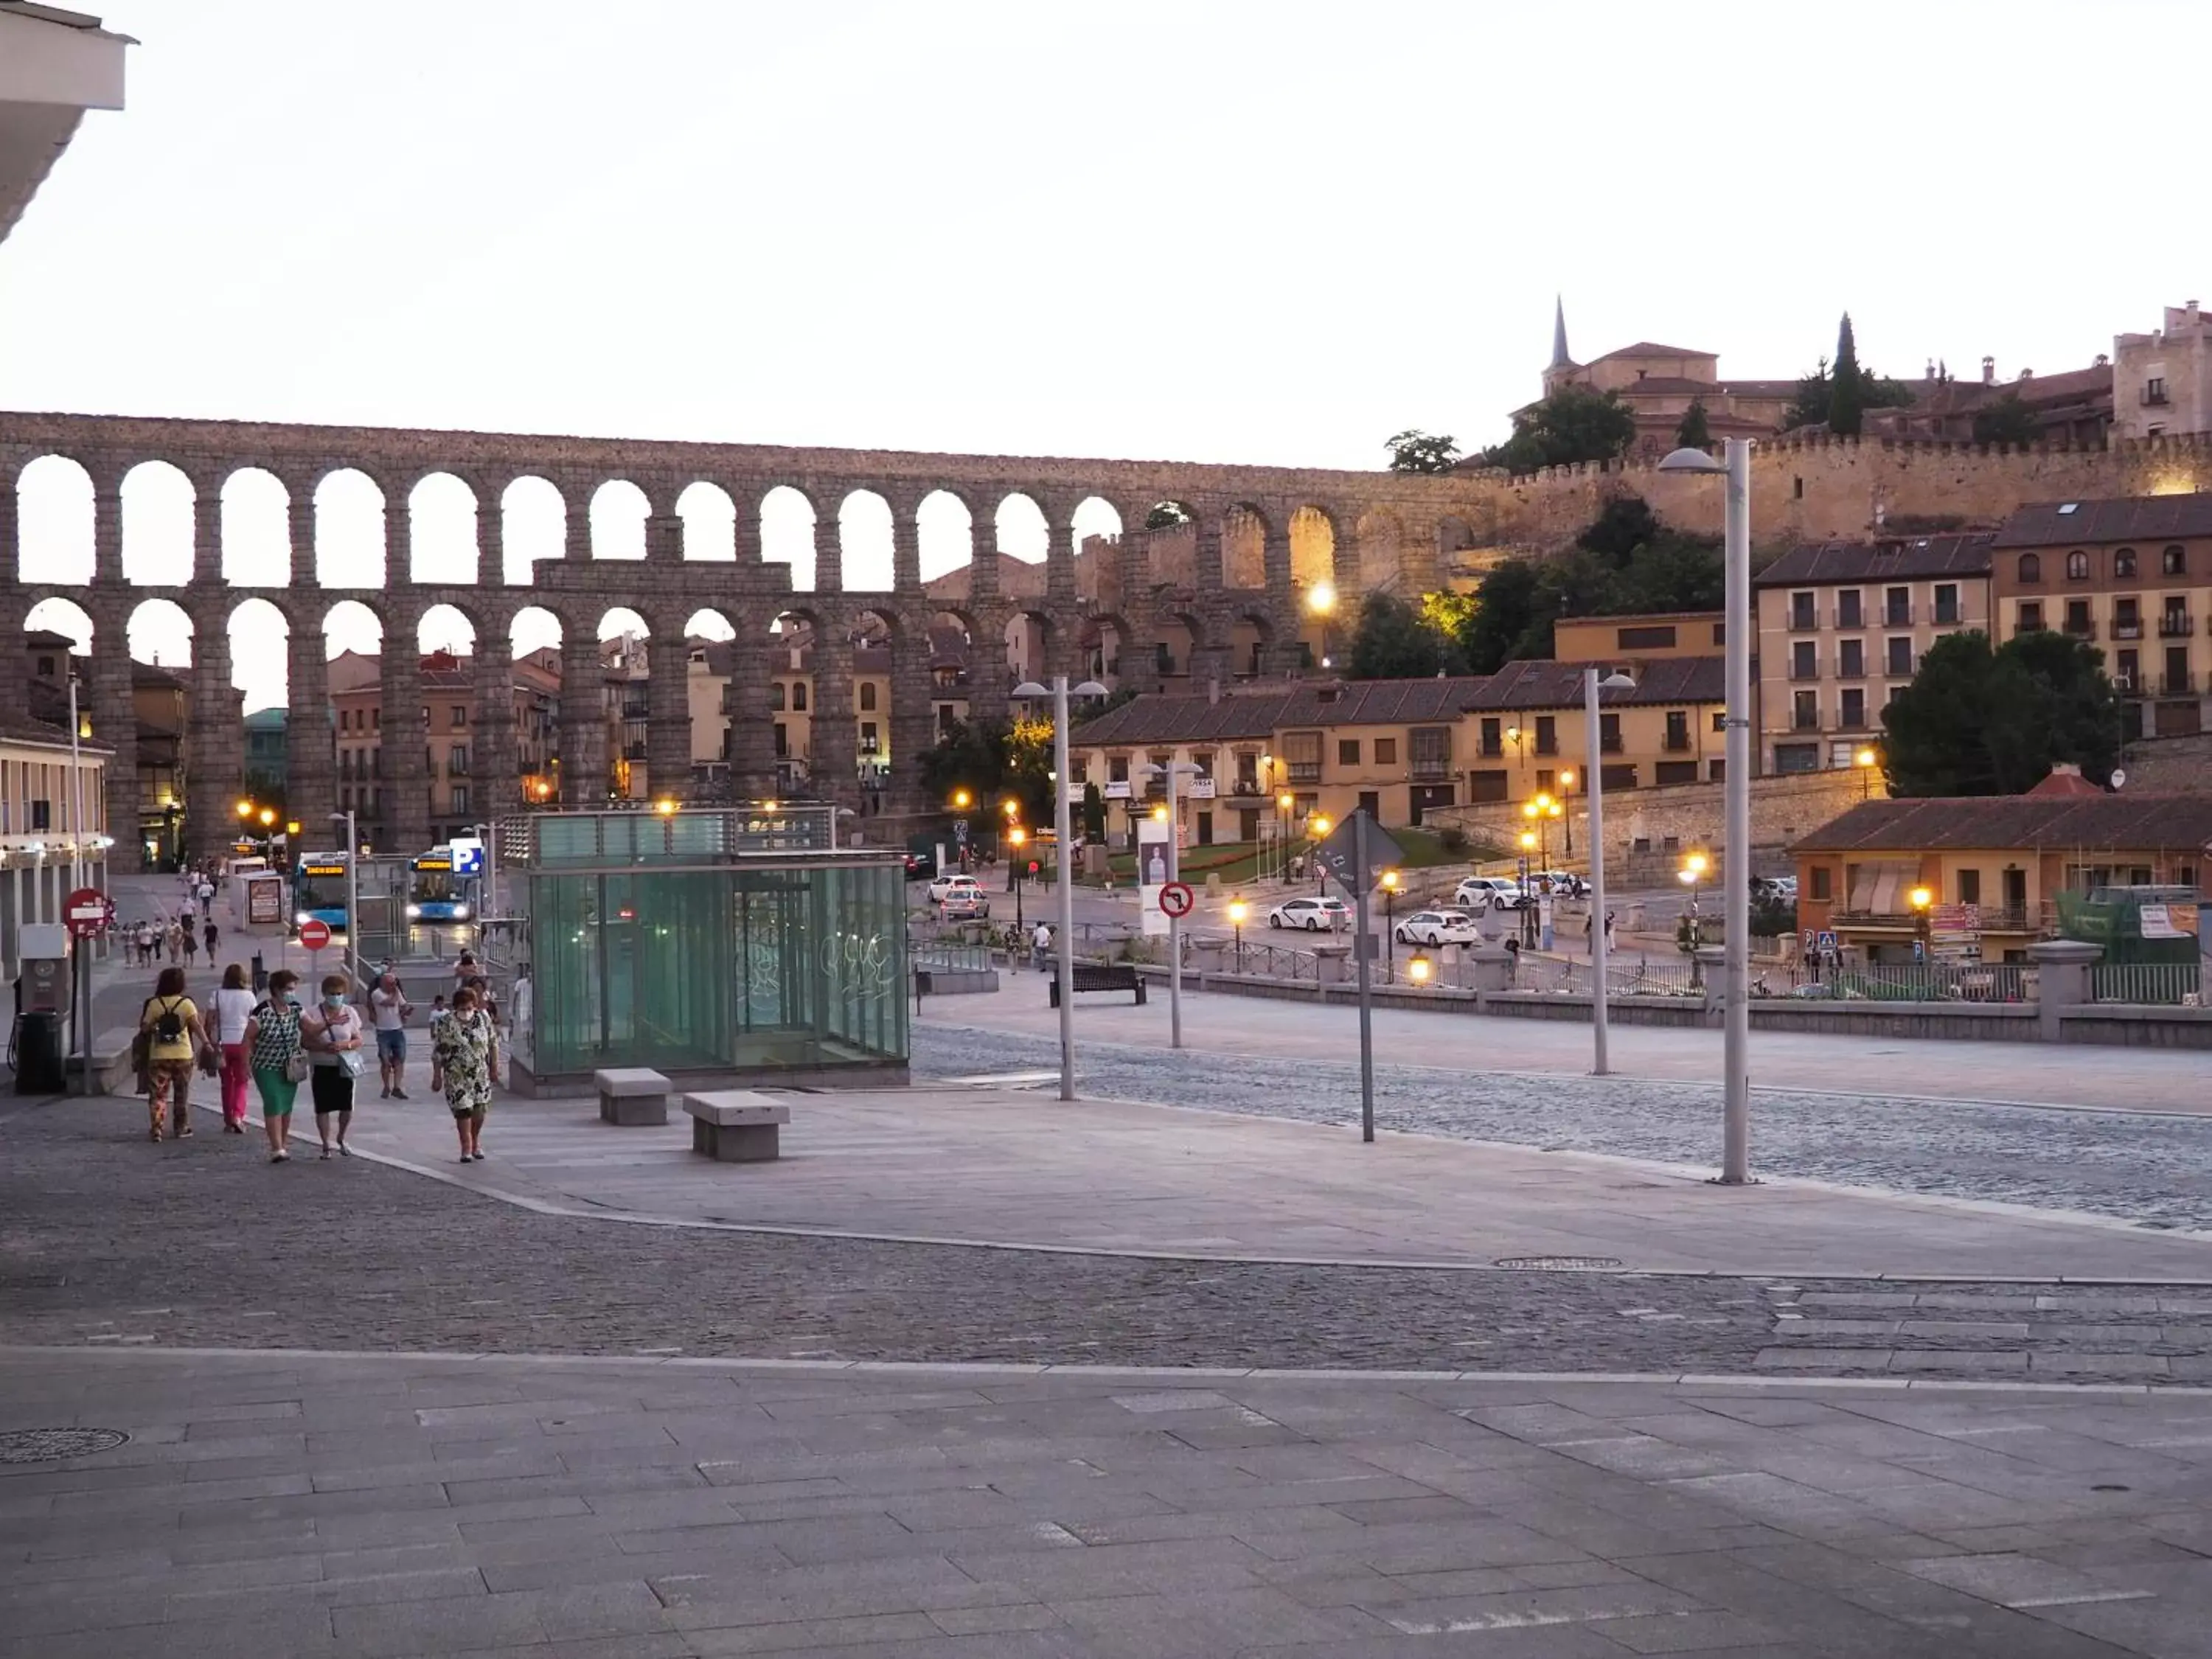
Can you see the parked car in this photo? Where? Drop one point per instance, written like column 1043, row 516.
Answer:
column 1438, row 927
column 1564, row 883
column 1483, row 893
column 1314, row 914
column 943, row 887
column 919, row 864
column 964, row 904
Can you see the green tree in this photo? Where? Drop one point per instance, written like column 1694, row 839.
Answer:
column 1167, row 515
column 1623, row 524
column 1505, row 609
column 1573, row 424
column 1396, row 641
column 1694, row 433
column 1416, row 451
column 1814, row 404
column 2007, row 421
column 1094, row 814
column 1846, row 391
column 1977, row 720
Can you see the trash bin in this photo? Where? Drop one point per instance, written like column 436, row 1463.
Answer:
column 37, row 1047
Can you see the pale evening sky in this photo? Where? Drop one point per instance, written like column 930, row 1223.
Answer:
column 1230, row 232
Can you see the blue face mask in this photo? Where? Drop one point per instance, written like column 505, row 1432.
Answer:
column 335, row 1001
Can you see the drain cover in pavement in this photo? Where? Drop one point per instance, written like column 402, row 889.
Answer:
column 48, row 1445
column 1557, row 1263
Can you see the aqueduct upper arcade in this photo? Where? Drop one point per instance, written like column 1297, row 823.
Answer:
column 1255, row 537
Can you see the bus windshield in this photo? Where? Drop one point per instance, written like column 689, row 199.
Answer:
column 436, row 894
column 318, row 888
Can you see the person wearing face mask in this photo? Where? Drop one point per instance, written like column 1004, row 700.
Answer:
column 332, row 1033
column 277, row 1059
column 464, row 1065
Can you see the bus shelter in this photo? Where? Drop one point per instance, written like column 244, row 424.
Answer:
column 713, row 944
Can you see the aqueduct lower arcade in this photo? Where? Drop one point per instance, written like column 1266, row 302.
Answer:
column 1224, row 584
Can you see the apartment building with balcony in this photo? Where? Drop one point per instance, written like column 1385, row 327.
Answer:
column 2132, row 576
column 1842, row 627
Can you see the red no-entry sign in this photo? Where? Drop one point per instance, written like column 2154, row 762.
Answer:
column 1176, row 898
column 87, row 913
column 314, row 934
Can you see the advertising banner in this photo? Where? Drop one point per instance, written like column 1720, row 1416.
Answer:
column 1153, row 867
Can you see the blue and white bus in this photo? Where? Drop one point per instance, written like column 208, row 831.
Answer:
column 437, row 895
column 318, row 889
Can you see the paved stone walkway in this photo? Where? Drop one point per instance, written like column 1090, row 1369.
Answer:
column 1017, row 1166
column 309, row 1506
column 215, row 1248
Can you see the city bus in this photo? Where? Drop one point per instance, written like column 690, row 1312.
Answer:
column 437, row 895
column 318, row 889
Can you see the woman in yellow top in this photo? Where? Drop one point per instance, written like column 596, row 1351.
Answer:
column 172, row 1024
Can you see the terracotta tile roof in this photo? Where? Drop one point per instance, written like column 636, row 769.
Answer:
column 1547, row 684
column 2065, row 783
column 2124, row 519
column 2020, row 823
column 1647, row 349
column 1157, row 718
column 1904, row 559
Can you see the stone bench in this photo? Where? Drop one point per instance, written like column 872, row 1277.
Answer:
column 631, row 1096
column 736, row 1126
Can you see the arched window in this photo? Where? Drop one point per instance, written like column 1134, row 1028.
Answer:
column 2174, row 562
column 2077, row 566
column 2031, row 568
column 2123, row 562
column 775, row 696
column 867, row 696
column 799, row 696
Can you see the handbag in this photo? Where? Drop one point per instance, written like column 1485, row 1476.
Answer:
column 352, row 1061
column 297, row 1065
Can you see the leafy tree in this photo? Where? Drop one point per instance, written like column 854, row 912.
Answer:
column 993, row 764
column 1416, row 451
column 1166, row 516
column 1814, row 404
column 1978, row 720
column 1573, row 424
column 1396, row 641
column 2007, row 421
column 1623, row 524
column 1505, row 608
column 1448, row 612
column 1694, row 433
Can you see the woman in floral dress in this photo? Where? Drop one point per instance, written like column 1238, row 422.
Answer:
column 464, row 1065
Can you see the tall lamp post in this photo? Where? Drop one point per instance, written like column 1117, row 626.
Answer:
column 1285, row 803
column 1528, row 904
column 1566, row 794
column 1063, row 965
column 1018, row 838
column 1317, row 829
column 1239, row 910
column 1594, row 788
column 352, row 890
column 1692, row 873
column 1392, row 882
column 1736, row 1001
column 1864, row 760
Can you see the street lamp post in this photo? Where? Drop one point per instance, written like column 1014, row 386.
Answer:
column 1527, row 910
column 1238, row 910
column 1566, row 794
column 1594, row 789
column 1864, row 760
column 1735, row 1003
column 1392, row 881
column 1064, row 963
column 1692, row 873
column 1018, row 838
column 1285, row 803
column 1317, row 829
column 1920, row 898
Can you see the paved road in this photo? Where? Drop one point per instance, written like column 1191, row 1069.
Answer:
column 106, row 1239
column 2149, row 1169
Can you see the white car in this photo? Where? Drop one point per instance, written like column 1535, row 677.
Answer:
column 1314, row 914
column 1481, row 893
column 943, row 887
column 1438, row 927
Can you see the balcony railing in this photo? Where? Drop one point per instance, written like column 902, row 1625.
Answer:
column 1804, row 671
column 1303, row 771
column 1677, row 743
column 2127, row 628
column 1430, row 770
column 1805, row 720
column 1804, row 622
column 1897, row 616
column 1946, row 615
column 1849, row 618
column 1851, row 668
column 2080, row 628
column 2027, row 625
column 1609, row 745
column 1898, row 668
column 2176, row 625
column 1491, row 748
column 2177, row 685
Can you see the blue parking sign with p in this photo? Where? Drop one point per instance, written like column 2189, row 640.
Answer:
column 468, row 857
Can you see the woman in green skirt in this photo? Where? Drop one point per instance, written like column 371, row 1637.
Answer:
column 272, row 1042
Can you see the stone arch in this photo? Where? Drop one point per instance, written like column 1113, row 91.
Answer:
column 1106, row 641
column 1251, row 638
column 1181, row 636
column 55, row 515
column 1031, row 635
column 881, row 662
column 350, row 529
column 56, row 615
column 1244, row 529
column 158, row 504
column 945, row 528
column 533, row 527
column 532, row 629
column 352, row 625
column 442, row 531
column 1314, row 545
column 709, row 623
column 790, row 523
column 449, row 628
column 1100, row 577
column 1380, row 568
column 865, row 560
column 618, row 620
column 160, row 634
column 1170, row 533
column 710, row 523
column 260, row 635
column 618, row 511
column 1023, row 534
column 255, row 529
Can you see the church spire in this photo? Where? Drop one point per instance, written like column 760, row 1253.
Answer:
column 1559, row 358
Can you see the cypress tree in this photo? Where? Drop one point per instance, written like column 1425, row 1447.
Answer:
column 1846, row 386
column 1695, row 432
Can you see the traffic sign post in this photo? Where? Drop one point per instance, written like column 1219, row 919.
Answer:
column 314, row 939
column 1349, row 855
column 1177, row 899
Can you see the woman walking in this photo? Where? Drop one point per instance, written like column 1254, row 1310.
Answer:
column 172, row 1024
column 464, row 1064
column 233, row 1011
column 278, row 1061
column 332, row 1032
column 191, row 944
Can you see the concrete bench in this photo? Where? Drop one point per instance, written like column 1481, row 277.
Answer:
column 1099, row 977
column 631, row 1096
column 736, row 1126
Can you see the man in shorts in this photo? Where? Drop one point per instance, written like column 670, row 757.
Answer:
column 389, row 1007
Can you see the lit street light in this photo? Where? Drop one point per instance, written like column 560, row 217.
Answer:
column 1392, row 882
column 1239, row 910
column 1864, row 759
column 1694, row 865
column 1016, row 838
column 1419, row 969
column 1317, row 829
column 1736, row 1002
column 1920, row 898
